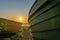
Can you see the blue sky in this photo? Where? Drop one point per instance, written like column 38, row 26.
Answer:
column 11, row 9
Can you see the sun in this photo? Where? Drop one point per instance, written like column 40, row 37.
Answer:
column 21, row 19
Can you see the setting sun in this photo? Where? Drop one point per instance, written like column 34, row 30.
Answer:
column 23, row 20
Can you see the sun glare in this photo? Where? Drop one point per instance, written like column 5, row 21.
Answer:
column 21, row 19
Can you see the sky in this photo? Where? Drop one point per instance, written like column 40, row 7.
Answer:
column 13, row 9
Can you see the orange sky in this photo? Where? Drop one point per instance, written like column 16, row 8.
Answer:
column 25, row 19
